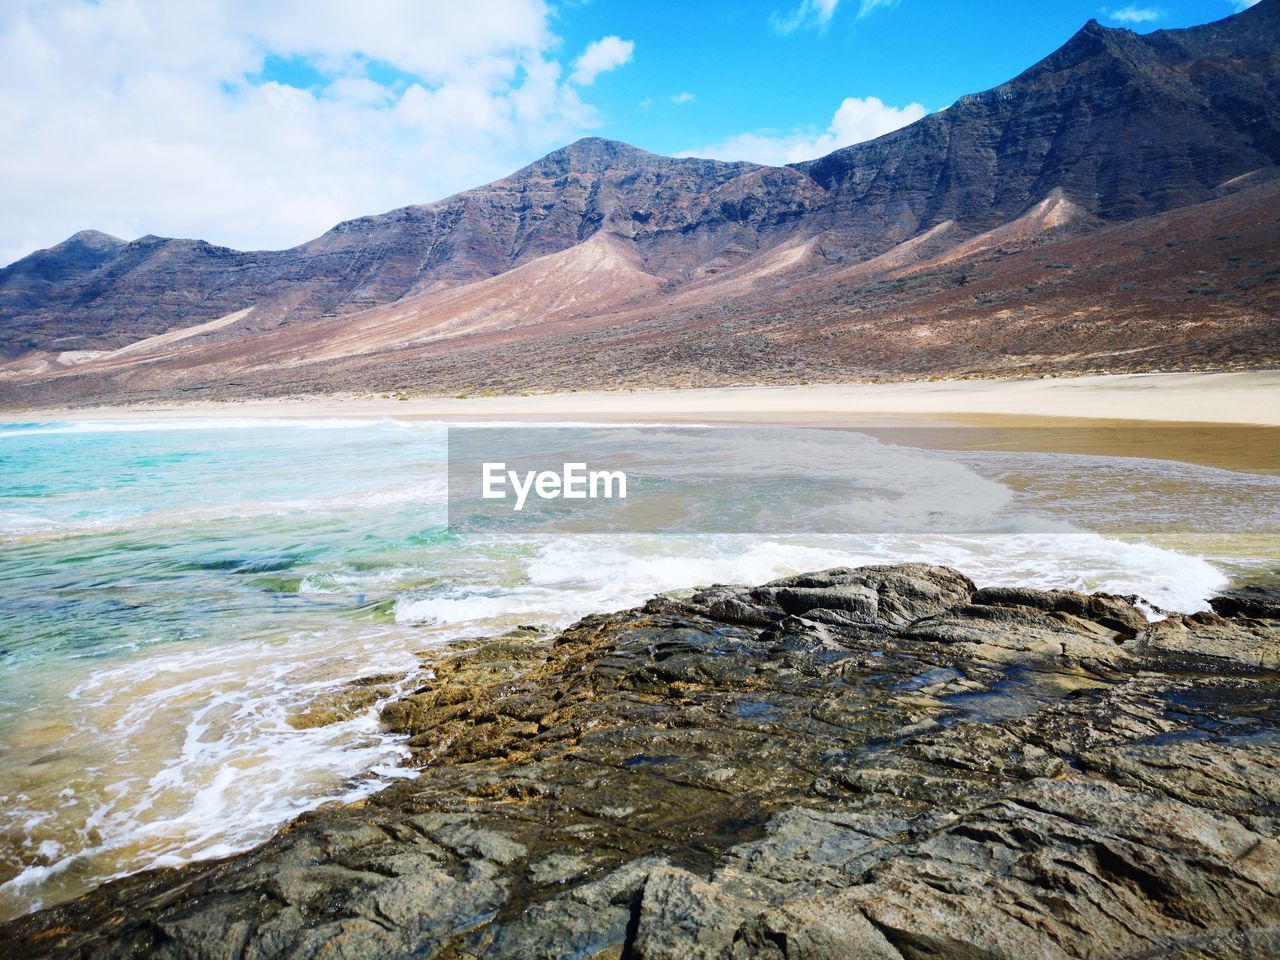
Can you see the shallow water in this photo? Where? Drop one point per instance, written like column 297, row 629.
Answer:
column 172, row 593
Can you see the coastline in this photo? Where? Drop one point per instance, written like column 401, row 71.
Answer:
column 1251, row 397
column 807, row 761
column 1252, row 446
column 1227, row 420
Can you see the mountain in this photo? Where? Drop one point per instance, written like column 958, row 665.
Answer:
column 1124, row 125
column 1112, row 207
column 678, row 212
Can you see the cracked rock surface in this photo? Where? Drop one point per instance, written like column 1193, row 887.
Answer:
column 881, row 763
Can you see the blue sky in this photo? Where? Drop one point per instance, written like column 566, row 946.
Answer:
column 702, row 73
column 745, row 74
column 261, row 125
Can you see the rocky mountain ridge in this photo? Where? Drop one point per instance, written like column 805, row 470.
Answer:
column 676, row 211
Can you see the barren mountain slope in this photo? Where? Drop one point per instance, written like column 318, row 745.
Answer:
column 95, row 292
column 590, row 280
column 1195, row 288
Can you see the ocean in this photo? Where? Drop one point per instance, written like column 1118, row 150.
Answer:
column 175, row 593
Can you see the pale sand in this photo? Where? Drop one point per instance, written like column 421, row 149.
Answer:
column 1100, row 414
column 1252, row 398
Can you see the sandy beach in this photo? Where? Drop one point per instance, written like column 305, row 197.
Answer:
column 1245, row 398
column 1229, row 420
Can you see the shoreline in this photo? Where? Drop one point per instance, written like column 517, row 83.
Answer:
column 622, row 768
column 1109, row 436
column 1222, row 398
column 1226, row 420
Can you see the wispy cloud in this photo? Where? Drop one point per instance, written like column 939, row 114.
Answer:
column 816, row 14
column 871, row 6
column 1133, row 14
column 810, row 13
column 683, row 97
column 1241, row 4
column 601, row 56
column 856, row 120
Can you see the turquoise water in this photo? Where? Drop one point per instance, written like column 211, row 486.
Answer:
column 119, row 539
column 174, row 593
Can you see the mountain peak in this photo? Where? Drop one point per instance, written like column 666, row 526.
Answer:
column 594, row 145
column 595, row 154
column 592, row 155
column 95, row 238
column 1094, row 37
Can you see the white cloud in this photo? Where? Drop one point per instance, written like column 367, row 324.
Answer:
column 857, row 119
column 1241, row 4
column 145, row 116
column 601, row 56
column 810, row 13
column 1133, row 14
column 683, row 97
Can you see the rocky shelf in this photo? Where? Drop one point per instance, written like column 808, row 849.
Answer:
column 883, row 763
